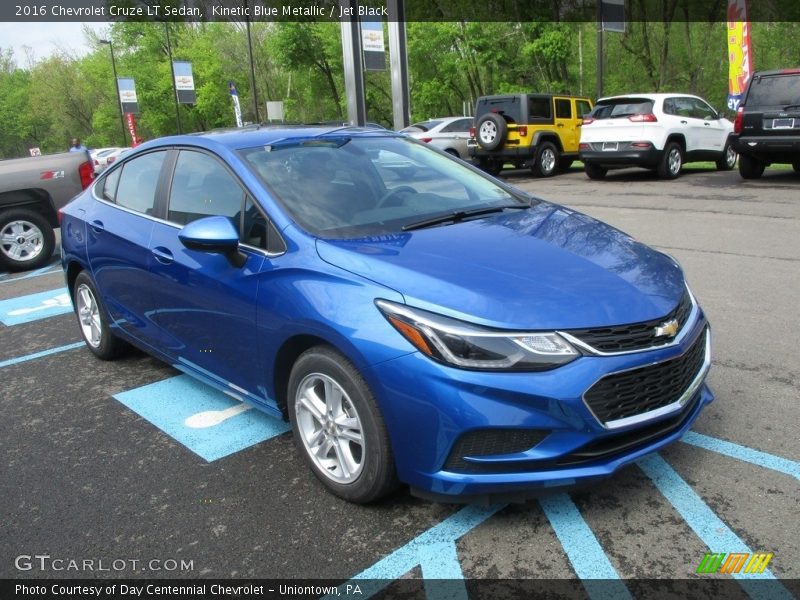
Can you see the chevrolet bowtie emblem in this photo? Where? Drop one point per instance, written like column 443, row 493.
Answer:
column 669, row 329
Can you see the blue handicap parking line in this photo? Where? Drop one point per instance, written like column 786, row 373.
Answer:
column 714, row 533
column 756, row 457
column 35, row 355
column 584, row 552
column 32, row 307
column 209, row 423
column 46, row 270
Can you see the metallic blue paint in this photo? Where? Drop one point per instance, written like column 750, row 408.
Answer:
column 540, row 269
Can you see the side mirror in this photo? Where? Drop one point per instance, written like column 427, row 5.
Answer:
column 214, row 234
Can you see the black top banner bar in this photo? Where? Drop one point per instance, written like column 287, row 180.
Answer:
column 416, row 10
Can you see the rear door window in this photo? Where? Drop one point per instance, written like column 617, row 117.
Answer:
column 138, row 182
column 563, row 108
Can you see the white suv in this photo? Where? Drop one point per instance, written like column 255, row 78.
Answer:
column 655, row 131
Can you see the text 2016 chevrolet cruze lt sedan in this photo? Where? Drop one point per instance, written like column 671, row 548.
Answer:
column 431, row 326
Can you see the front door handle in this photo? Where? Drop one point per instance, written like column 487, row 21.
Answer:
column 163, row 255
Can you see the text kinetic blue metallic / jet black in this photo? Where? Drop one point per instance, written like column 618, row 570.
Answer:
column 416, row 320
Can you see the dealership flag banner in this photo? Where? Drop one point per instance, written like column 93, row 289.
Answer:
column 740, row 52
column 127, row 95
column 135, row 141
column 184, row 82
column 237, row 109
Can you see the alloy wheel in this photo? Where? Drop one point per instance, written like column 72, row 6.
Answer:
column 21, row 241
column 330, row 428
column 89, row 315
column 488, row 132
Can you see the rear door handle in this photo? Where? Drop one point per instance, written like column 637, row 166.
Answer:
column 684, row 122
column 97, row 226
column 163, row 255
column 707, row 124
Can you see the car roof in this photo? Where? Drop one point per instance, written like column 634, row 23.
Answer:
column 651, row 96
column 256, row 135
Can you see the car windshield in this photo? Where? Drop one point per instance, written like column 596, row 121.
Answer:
column 352, row 187
column 622, row 107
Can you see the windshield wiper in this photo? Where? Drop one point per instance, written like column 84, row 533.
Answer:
column 460, row 215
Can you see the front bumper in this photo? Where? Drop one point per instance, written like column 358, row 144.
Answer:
column 571, row 446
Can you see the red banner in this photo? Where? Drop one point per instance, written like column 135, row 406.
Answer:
column 135, row 141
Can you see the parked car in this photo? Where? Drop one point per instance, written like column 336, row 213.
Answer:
column 767, row 124
column 540, row 131
column 107, row 160
column 99, row 158
column 654, row 131
column 449, row 332
column 32, row 190
column 446, row 133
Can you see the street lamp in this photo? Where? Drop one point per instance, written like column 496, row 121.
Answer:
column 116, row 90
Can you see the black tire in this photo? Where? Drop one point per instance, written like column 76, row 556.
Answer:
column 492, row 167
column 796, row 165
column 371, row 461
column 546, row 162
column 453, row 152
column 565, row 163
column 671, row 162
column 27, row 240
column 491, row 131
column 727, row 161
column 750, row 168
column 594, row 171
column 104, row 345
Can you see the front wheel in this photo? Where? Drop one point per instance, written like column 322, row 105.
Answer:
column 338, row 427
column 492, row 167
column 26, row 240
column 727, row 161
column 671, row 161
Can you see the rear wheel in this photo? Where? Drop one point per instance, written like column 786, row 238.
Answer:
column 671, row 161
column 338, row 427
column 546, row 162
column 594, row 171
column 796, row 165
column 26, row 240
column 750, row 168
column 728, row 159
column 93, row 320
column 565, row 163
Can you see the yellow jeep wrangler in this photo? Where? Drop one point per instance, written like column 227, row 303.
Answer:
column 541, row 131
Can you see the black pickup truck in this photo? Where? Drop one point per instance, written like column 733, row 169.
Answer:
column 767, row 125
column 32, row 190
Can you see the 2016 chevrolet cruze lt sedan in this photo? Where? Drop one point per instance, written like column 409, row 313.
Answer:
column 431, row 326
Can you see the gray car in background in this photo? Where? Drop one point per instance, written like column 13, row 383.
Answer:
column 446, row 133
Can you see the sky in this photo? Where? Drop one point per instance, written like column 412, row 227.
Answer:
column 44, row 39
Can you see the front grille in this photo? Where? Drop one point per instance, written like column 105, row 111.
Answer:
column 636, row 336
column 641, row 390
column 489, row 442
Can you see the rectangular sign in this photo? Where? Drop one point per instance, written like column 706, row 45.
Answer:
column 184, row 82
column 127, row 95
column 373, row 46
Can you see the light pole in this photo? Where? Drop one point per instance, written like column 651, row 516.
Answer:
column 116, row 90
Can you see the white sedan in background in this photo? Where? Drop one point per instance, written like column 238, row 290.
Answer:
column 446, row 133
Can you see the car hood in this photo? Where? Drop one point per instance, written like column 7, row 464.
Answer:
column 543, row 268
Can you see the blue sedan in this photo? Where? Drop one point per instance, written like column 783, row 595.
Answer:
column 416, row 320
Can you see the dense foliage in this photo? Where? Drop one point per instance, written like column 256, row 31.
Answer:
column 46, row 103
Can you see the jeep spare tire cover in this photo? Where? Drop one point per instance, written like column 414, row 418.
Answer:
column 490, row 131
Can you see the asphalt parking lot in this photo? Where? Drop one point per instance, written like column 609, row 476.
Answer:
column 113, row 463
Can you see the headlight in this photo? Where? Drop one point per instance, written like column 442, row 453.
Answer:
column 468, row 346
